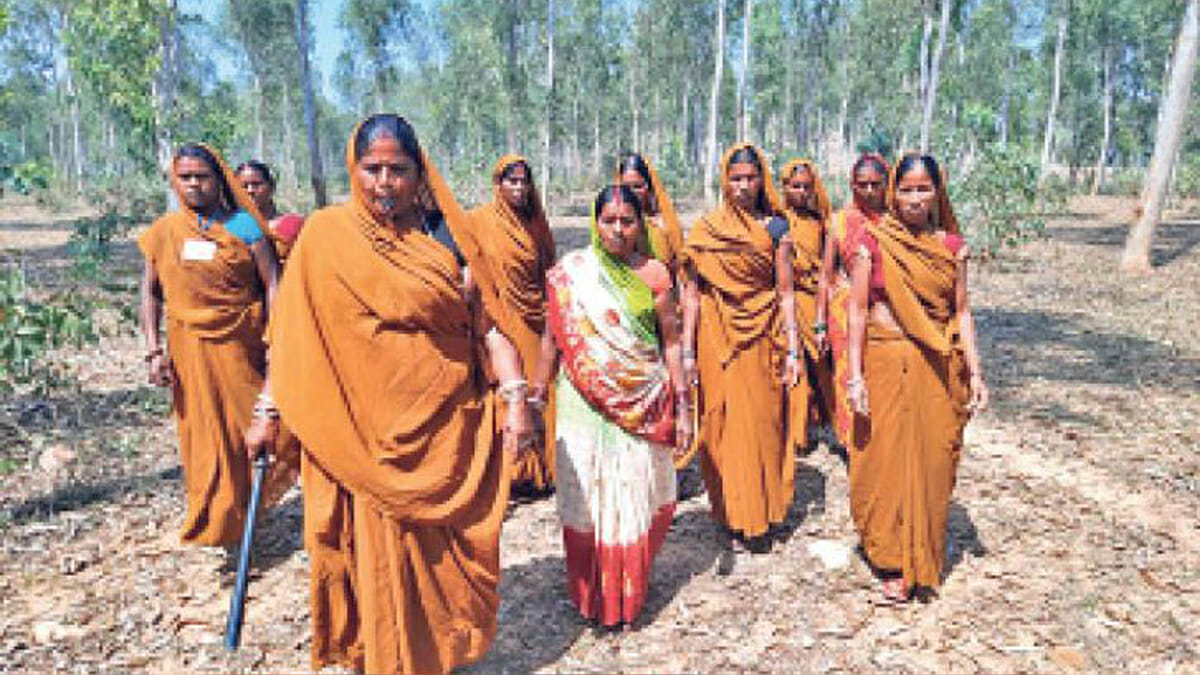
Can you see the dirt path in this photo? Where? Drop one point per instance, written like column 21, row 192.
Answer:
column 1074, row 535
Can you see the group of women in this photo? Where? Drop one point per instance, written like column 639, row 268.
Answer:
column 417, row 362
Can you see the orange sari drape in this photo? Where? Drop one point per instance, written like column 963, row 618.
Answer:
column 902, row 465
column 813, row 394
column 376, row 369
column 746, row 467
column 214, row 325
column 520, row 250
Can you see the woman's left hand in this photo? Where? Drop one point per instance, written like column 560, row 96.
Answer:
column 683, row 428
column 979, row 395
column 518, row 429
column 791, row 370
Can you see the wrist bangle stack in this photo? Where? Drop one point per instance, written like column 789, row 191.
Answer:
column 264, row 407
column 820, row 328
column 513, row 391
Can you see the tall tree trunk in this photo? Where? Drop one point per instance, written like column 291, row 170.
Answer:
column 635, row 139
column 510, row 76
column 317, row 170
column 1136, row 257
column 1106, row 112
column 289, row 144
column 1005, row 99
column 742, row 122
column 935, row 65
column 923, row 54
column 164, row 86
column 548, row 120
column 1052, row 113
column 596, row 168
column 714, row 100
column 260, row 134
column 76, row 139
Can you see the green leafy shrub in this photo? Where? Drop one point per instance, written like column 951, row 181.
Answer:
column 25, row 178
column 28, row 328
column 998, row 203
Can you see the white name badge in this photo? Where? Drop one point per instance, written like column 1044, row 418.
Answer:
column 199, row 249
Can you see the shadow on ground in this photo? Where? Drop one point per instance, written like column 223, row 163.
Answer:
column 1029, row 346
column 79, row 496
column 1172, row 240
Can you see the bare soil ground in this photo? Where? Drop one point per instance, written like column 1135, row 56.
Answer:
column 1074, row 534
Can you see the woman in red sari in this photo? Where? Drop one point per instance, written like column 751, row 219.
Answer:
column 258, row 181
column 868, row 186
column 915, row 377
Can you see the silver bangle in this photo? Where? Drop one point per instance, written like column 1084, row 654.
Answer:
column 513, row 390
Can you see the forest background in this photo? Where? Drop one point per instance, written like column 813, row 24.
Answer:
column 1025, row 101
column 94, row 92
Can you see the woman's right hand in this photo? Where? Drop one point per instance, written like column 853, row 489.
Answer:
column 161, row 370
column 856, row 391
column 691, row 374
column 822, row 340
column 262, row 435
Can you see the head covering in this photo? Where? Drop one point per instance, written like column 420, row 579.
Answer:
column 824, row 208
column 663, row 207
column 858, row 163
column 435, row 194
column 942, row 214
column 638, row 297
column 537, row 223
column 774, row 205
column 232, row 187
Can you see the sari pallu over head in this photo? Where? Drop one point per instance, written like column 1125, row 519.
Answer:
column 374, row 353
column 852, row 221
column 520, row 252
column 667, row 241
column 609, row 343
column 807, row 229
column 734, row 254
column 214, row 298
column 919, row 271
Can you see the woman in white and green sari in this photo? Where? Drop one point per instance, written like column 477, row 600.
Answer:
column 622, row 408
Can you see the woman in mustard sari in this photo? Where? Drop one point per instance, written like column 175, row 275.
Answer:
column 740, row 337
column 213, row 267
column 868, row 188
column 808, row 212
column 514, row 231
column 915, row 377
column 636, row 172
column 377, row 338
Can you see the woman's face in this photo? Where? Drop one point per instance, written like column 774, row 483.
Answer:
column 259, row 189
column 868, row 186
column 389, row 177
column 515, row 186
column 745, row 185
column 198, row 182
column 619, row 227
column 634, row 181
column 800, row 190
column 915, row 193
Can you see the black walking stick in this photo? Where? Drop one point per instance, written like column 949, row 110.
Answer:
column 237, row 604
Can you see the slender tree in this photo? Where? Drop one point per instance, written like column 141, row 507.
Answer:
column 714, row 100
column 1174, row 112
column 317, row 171
column 935, row 65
